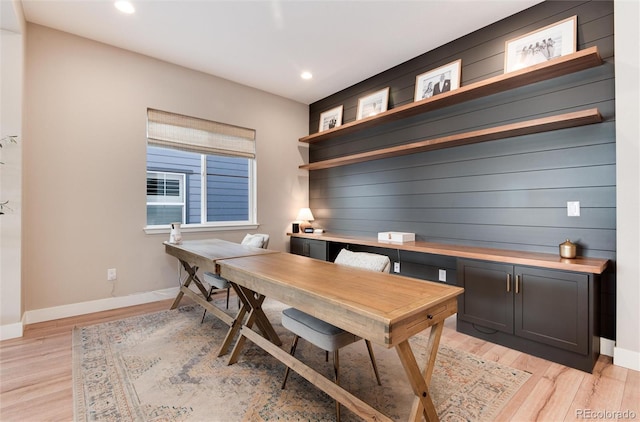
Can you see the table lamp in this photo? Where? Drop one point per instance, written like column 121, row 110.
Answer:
column 304, row 216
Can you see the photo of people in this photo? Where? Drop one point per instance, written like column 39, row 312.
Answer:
column 542, row 45
column 539, row 52
column 437, row 81
column 373, row 104
column 331, row 119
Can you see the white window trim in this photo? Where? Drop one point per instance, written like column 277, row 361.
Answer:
column 197, row 228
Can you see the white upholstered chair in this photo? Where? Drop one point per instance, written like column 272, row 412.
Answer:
column 324, row 335
column 217, row 283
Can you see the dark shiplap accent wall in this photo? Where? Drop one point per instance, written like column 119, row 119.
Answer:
column 509, row 193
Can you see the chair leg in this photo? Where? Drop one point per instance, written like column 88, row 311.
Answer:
column 336, row 370
column 291, row 352
column 373, row 361
column 205, row 311
column 228, row 288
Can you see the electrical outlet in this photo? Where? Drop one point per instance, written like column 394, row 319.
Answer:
column 111, row 274
column 442, row 275
column 396, row 267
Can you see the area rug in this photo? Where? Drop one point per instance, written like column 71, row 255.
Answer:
column 162, row 367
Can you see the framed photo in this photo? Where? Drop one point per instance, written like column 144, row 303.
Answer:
column 555, row 40
column 330, row 119
column 436, row 81
column 373, row 104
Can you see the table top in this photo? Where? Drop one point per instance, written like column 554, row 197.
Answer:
column 384, row 308
column 206, row 253
column 536, row 259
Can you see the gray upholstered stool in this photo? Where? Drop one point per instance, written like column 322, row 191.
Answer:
column 324, row 335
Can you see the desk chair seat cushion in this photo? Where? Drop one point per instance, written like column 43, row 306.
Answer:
column 364, row 260
column 320, row 333
column 215, row 280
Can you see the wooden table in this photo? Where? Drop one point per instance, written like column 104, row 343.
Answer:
column 383, row 308
column 205, row 254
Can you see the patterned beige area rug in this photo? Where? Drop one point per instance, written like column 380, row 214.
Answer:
column 163, row 367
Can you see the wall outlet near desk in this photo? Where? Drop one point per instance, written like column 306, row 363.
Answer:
column 396, row 267
column 442, row 275
column 111, row 274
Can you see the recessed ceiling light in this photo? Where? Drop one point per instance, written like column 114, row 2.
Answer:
column 125, row 6
column 306, row 75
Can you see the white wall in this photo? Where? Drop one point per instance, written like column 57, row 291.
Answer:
column 627, row 61
column 11, row 78
column 84, row 185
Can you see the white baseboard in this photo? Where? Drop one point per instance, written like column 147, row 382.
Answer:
column 10, row 331
column 607, row 346
column 82, row 308
column 626, row 358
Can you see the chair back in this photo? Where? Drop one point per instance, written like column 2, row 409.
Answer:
column 364, row 260
column 257, row 240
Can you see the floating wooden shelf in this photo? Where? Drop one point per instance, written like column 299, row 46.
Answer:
column 560, row 66
column 544, row 124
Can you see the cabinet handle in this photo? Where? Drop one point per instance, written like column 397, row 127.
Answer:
column 518, row 284
column 508, row 283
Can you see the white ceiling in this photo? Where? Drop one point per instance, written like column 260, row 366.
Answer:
column 266, row 44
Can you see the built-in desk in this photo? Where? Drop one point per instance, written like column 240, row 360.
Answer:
column 551, row 261
column 537, row 303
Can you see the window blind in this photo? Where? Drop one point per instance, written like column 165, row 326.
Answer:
column 202, row 136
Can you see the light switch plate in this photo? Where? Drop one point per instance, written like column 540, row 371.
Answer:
column 396, row 267
column 573, row 208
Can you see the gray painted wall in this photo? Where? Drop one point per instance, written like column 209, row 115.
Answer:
column 509, row 193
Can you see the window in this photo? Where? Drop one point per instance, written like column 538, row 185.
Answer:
column 165, row 197
column 199, row 172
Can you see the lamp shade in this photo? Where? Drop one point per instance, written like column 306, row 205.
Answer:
column 305, row 215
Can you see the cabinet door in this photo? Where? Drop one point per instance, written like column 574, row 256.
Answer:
column 487, row 299
column 552, row 307
column 296, row 246
column 317, row 249
column 308, row 247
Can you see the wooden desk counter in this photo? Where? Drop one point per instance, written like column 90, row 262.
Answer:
column 544, row 260
column 380, row 307
column 383, row 308
column 206, row 252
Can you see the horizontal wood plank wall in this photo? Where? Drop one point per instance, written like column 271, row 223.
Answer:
column 510, row 193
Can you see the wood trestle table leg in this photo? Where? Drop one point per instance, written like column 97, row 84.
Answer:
column 256, row 315
column 422, row 404
column 248, row 303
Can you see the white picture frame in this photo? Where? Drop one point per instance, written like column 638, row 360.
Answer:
column 373, row 104
column 442, row 79
column 541, row 45
column 330, row 119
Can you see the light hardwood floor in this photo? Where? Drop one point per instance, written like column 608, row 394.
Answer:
column 35, row 376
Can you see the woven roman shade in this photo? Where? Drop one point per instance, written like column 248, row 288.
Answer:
column 170, row 130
